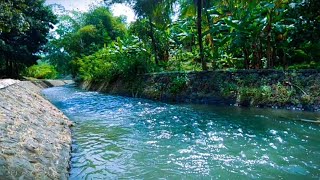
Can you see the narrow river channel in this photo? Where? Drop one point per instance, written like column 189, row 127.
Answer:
column 128, row 138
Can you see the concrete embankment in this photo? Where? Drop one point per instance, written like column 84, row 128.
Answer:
column 35, row 138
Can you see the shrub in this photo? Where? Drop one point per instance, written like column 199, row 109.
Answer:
column 248, row 96
column 276, row 94
column 41, row 71
column 178, row 84
column 282, row 94
column 120, row 59
column 310, row 65
column 229, row 89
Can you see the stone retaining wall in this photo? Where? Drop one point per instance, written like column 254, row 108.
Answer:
column 259, row 88
column 35, row 138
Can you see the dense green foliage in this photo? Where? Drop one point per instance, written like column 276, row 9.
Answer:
column 168, row 35
column 82, row 34
column 230, row 34
column 255, row 34
column 24, row 26
column 41, row 71
column 119, row 59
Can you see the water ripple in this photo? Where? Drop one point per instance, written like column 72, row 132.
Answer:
column 126, row 138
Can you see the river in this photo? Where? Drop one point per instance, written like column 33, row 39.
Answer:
column 130, row 138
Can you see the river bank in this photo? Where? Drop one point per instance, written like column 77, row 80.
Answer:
column 296, row 90
column 118, row 137
column 35, row 138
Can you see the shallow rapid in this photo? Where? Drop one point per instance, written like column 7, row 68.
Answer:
column 128, row 138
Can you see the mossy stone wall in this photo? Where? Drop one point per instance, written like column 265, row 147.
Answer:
column 259, row 88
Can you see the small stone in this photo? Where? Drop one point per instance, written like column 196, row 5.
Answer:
column 2, row 161
column 33, row 161
column 70, row 124
column 30, row 147
column 47, row 155
column 8, row 152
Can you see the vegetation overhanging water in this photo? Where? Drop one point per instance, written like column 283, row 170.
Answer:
column 120, row 137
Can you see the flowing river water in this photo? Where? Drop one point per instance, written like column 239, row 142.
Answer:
column 129, row 138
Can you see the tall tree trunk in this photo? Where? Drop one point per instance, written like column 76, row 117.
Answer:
column 269, row 50
column 246, row 58
column 16, row 69
column 285, row 62
column 154, row 45
column 7, row 67
column 260, row 64
column 10, row 69
column 199, row 27
column 255, row 55
column 207, row 5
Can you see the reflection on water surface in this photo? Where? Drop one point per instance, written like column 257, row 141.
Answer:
column 126, row 138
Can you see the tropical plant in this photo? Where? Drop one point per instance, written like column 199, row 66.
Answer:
column 185, row 35
column 122, row 58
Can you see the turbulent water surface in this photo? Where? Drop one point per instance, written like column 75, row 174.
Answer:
column 127, row 138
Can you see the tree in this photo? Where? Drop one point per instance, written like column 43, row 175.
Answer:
column 188, row 7
column 237, row 34
column 24, row 26
column 157, row 13
column 304, row 16
column 199, row 27
column 108, row 26
column 81, row 34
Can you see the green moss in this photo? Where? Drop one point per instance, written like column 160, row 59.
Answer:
column 305, row 65
column 178, row 84
column 265, row 95
column 152, row 93
column 229, row 89
column 269, row 89
column 248, row 96
column 306, row 99
column 281, row 94
column 249, row 80
column 217, row 81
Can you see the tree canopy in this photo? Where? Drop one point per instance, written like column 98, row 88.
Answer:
column 82, row 34
column 24, row 26
column 168, row 35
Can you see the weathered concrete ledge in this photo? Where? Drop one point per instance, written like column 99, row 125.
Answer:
column 46, row 83
column 7, row 82
column 35, row 138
